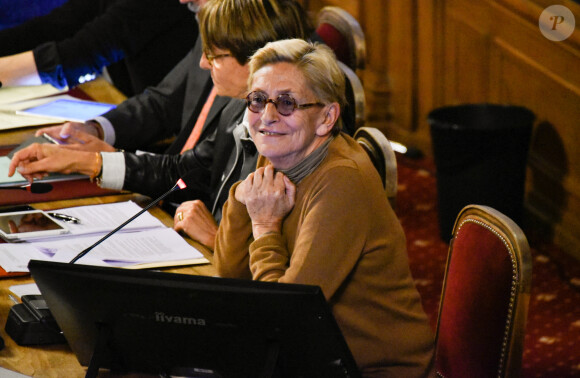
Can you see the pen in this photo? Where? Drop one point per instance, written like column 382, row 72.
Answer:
column 65, row 218
column 13, row 298
column 50, row 139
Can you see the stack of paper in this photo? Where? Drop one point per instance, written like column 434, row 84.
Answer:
column 145, row 242
column 13, row 99
column 36, row 105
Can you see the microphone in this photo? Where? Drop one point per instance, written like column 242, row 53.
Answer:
column 179, row 185
column 35, row 187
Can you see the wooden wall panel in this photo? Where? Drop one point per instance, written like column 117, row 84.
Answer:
column 424, row 54
column 553, row 185
column 466, row 73
column 508, row 61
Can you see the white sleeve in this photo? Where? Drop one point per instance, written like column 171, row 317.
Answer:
column 108, row 130
column 113, row 175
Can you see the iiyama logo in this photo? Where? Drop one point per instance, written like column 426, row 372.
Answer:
column 161, row 317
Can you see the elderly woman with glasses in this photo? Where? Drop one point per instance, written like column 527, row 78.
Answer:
column 314, row 212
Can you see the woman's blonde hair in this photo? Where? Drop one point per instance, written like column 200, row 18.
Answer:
column 243, row 26
column 317, row 63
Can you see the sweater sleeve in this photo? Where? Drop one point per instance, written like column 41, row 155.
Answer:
column 332, row 221
column 234, row 235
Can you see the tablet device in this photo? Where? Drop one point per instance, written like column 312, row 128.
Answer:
column 23, row 225
column 70, row 110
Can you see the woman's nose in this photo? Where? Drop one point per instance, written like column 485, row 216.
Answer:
column 204, row 63
column 270, row 113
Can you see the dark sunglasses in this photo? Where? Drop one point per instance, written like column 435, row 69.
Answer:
column 284, row 103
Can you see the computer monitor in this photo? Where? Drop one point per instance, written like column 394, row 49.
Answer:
column 197, row 326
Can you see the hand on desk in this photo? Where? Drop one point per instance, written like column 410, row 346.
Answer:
column 197, row 222
column 38, row 160
column 80, row 136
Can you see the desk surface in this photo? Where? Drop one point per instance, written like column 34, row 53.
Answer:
column 58, row 360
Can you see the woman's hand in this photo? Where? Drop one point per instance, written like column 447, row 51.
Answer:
column 269, row 197
column 37, row 160
column 196, row 221
column 79, row 136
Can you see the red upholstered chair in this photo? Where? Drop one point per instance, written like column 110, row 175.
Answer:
column 484, row 302
column 343, row 34
column 378, row 147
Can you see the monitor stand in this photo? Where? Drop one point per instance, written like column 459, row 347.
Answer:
column 102, row 337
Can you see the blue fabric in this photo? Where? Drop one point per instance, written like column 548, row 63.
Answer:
column 15, row 12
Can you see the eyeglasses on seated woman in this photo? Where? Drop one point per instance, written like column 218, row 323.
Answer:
column 314, row 212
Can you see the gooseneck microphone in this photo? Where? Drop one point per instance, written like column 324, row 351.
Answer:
column 35, row 187
column 181, row 184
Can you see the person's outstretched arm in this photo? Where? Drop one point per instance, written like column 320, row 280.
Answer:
column 19, row 69
column 126, row 28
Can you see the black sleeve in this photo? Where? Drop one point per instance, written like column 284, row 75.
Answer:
column 125, row 29
column 153, row 175
column 62, row 22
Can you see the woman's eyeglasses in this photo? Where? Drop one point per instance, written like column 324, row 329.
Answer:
column 210, row 58
column 284, row 103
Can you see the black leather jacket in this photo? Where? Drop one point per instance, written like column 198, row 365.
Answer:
column 215, row 163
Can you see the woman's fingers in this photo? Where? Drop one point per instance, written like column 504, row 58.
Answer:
column 37, row 160
column 23, row 156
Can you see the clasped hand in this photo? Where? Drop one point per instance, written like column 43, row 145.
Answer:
column 269, row 197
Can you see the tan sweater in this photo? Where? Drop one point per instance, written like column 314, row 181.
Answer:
column 343, row 236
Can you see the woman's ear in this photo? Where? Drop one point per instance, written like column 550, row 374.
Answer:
column 329, row 118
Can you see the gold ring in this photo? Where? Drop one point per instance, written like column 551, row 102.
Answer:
column 180, row 216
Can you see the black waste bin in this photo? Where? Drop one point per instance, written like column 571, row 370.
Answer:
column 480, row 153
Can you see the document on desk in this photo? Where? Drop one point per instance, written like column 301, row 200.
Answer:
column 156, row 247
column 144, row 243
column 101, row 219
column 21, row 93
column 11, row 119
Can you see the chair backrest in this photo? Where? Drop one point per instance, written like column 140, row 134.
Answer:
column 355, row 96
column 378, row 147
column 342, row 32
column 485, row 296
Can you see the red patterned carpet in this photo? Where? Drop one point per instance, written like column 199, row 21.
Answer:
column 552, row 342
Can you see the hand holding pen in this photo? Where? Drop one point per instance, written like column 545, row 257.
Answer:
column 76, row 136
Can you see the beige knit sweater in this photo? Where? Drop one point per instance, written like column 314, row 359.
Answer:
column 343, row 236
